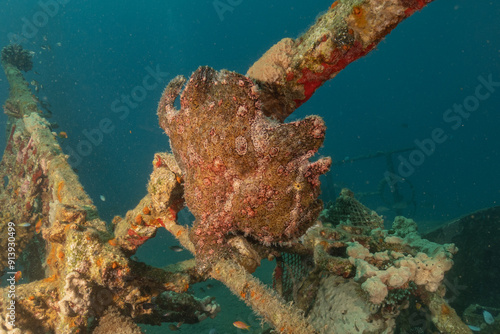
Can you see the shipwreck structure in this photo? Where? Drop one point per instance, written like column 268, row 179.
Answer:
column 247, row 178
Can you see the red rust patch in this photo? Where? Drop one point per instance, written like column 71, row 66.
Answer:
column 339, row 59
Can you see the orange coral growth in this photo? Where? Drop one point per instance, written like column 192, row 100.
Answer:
column 146, row 210
column 112, row 242
column 138, row 219
column 445, row 309
column 157, row 222
column 359, row 17
column 59, row 189
column 51, row 257
column 52, row 278
column 158, row 162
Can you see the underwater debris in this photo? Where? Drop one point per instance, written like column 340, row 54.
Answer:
column 80, row 274
column 477, row 233
column 15, row 55
column 89, row 264
column 112, row 321
column 289, row 73
column 482, row 318
column 383, row 269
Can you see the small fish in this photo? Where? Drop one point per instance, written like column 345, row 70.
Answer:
column 382, row 209
column 474, row 328
column 418, row 306
column 209, row 286
column 58, row 44
column 45, row 104
column 241, row 325
column 48, row 115
column 173, row 327
column 18, row 275
column 46, row 47
column 488, row 318
column 176, row 249
column 102, row 198
column 38, row 226
column 63, row 134
column 34, row 83
column 212, row 331
column 24, row 225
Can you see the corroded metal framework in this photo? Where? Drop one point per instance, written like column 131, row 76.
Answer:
column 81, row 272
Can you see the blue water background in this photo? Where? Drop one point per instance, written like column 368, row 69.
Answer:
column 385, row 101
